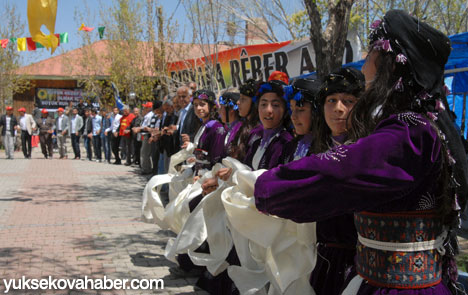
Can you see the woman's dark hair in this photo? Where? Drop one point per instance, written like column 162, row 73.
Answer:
column 239, row 144
column 345, row 80
column 381, row 100
column 229, row 100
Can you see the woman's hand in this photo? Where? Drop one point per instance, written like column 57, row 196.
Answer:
column 209, row 185
column 185, row 145
column 191, row 160
column 185, row 138
column 224, row 173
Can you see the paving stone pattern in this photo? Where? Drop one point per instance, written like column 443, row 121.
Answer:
column 74, row 218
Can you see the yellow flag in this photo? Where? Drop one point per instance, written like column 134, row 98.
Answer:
column 21, row 44
column 43, row 12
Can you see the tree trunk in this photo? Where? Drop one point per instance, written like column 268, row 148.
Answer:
column 329, row 45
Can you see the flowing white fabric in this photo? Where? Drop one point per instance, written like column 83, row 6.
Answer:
column 270, row 249
column 152, row 207
column 218, row 235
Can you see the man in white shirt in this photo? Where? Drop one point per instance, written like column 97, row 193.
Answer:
column 96, row 134
column 115, row 135
column 27, row 126
column 76, row 123
column 62, row 124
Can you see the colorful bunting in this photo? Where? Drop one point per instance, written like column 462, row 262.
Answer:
column 64, row 38
column 85, row 28
column 21, row 44
column 5, row 42
column 101, row 32
column 31, row 44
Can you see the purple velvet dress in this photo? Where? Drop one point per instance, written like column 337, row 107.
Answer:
column 272, row 141
column 276, row 140
column 210, row 148
column 391, row 170
column 232, row 130
column 336, row 237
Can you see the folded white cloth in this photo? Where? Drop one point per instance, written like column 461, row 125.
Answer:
column 270, row 249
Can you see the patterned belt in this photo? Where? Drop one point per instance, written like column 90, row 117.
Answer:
column 400, row 250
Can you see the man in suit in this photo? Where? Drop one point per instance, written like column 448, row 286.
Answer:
column 10, row 124
column 166, row 142
column 136, row 137
column 106, row 134
column 154, row 129
column 188, row 123
column 62, row 125
column 46, row 129
column 76, row 123
column 88, row 130
column 27, row 126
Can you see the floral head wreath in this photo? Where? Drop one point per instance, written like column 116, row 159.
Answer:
column 229, row 99
column 203, row 94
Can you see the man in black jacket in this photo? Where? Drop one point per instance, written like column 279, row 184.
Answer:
column 166, row 142
column 10, row 124
column 188, row 123
column 46, row 129
column 88, row 129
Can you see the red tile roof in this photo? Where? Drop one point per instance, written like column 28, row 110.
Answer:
column 71, row 63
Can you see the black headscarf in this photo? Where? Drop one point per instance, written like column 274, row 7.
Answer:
column 303, row 90
column 249, row 88
column 420, row 48
column 345, row 80
column 420, row 52
column 229, row 100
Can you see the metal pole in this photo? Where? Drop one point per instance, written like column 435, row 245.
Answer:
column 463, row 114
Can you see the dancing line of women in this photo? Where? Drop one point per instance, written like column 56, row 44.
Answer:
column 349, row 185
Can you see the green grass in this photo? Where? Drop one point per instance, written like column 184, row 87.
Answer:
column 462, row 262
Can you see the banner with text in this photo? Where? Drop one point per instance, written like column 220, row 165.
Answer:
column 233, row 67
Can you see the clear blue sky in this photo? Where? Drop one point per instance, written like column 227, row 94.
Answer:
column 68, row 22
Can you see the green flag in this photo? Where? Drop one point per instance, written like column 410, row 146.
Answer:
column 101, row 32
column 13, row 40
column 63, row 38
column 39, row 45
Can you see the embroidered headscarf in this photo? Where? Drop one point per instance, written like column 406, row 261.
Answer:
column 345, row 80
column 303, row 90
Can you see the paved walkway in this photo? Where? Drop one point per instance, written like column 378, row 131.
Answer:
column 72, row 218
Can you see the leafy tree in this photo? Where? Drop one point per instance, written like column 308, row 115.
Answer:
column 10, row 59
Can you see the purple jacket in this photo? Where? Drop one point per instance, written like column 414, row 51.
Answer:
column 392, row 169
column 210, row 148
column 273, row 153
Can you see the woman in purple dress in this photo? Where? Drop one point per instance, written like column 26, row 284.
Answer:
column 209, row 139
column 209, row 150
column 403, row 175
column 302, row 99
column 266, row 142
column 336, row 236
column 229, row 114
